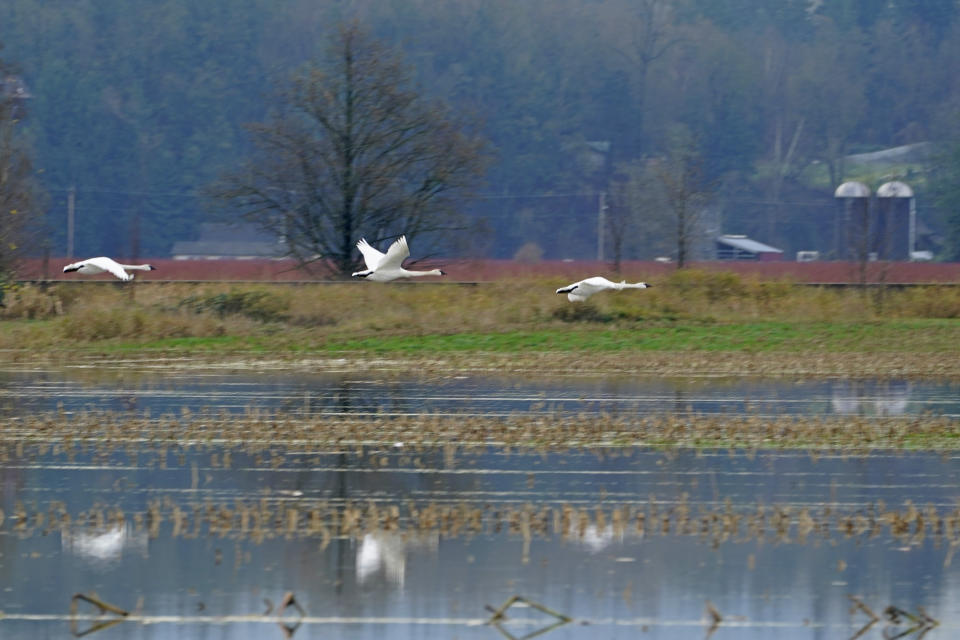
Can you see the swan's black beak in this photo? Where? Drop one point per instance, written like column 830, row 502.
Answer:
column 442, row 272
column 70, row 269
column 151, row 267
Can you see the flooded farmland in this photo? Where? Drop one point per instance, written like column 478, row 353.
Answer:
column 206, row 503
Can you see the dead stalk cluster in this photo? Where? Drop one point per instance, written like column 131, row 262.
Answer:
column 265, row 519
column 166, row 439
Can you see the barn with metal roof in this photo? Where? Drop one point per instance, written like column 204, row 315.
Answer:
column 736, row 247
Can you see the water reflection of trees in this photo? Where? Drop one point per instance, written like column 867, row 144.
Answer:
column 342, row 393
column 349, row 395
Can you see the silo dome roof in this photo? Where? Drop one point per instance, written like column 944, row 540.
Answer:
column 852, row 190
column 895, row 189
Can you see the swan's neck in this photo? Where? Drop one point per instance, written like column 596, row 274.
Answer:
column 136, row 267
column 414, row 274
column 632, row 285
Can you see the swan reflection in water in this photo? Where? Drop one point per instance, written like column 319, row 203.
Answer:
column 386, row 552
column 594, row 538
column 105, row 545
column 871, row 398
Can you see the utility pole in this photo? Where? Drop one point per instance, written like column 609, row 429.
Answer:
column 71, row 200
column 601, row 224
column 135, row 236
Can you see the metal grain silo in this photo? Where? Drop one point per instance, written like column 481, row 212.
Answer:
column 852, row 231
column 894, row 226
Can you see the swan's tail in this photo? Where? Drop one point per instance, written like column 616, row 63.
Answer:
column 432, row 272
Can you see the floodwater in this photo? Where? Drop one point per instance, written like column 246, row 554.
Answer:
column 427, row 544
column 344, row 392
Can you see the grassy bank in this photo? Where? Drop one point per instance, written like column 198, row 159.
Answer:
column 691, row 318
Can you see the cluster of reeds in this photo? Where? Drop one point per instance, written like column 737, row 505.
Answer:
column 603, row 523
column 261, row 432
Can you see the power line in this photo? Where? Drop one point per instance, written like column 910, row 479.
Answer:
column 126, row 192
column 488, row 196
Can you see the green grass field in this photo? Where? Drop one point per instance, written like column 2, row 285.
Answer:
column 778, row 336
column 694, row 314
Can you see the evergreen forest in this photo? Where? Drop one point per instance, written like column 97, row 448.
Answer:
column 137, row 105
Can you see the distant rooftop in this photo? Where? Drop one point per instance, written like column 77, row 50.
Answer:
column 917, row 152
column 218, row 240
column 736, row 247
column 745, row 243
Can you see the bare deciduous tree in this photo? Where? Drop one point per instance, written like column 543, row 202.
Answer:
column 17, row 191
column 353, row 151
column 685, row 191
column 627, row 205
column 642, row 39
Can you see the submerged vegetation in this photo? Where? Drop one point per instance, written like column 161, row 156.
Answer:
column 268, row 441
column 260, row 520
column 266, row 434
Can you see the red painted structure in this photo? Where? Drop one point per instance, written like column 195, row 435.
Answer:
column 488, row 270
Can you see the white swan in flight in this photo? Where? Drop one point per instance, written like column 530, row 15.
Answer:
column 102, row 264
column 384, row 267
column 580, row 291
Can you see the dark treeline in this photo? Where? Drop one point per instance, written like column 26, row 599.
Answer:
column 137, row 105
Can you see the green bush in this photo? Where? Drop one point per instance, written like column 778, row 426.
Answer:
column 926, row 302
column 587, row 312
column 90, row 324
column 713, row 286
column 102, row 324
column 770, row 293
column 256, row 305
column 30, row 302
column 581, row 312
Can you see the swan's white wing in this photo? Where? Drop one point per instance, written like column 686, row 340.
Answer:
column 574, row 292
column 598, row 283
column 109, row 265
column 372, row 257
column 590, row 286
column 74, row 266
column 396, row 254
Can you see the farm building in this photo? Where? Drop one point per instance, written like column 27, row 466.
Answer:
column 731, row 247
column 224, row 241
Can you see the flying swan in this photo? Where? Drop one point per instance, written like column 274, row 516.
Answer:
column 580, row 291
column 99, row 265
column 384, row 267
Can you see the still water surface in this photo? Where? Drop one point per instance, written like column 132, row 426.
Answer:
column 199, row 583
column 344, row 392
